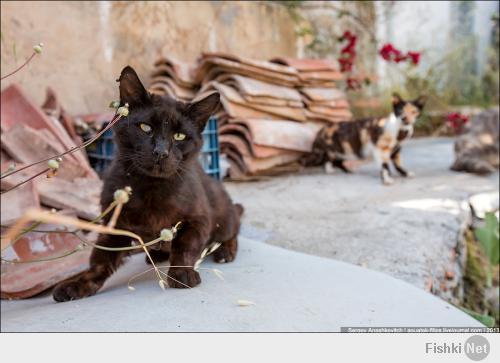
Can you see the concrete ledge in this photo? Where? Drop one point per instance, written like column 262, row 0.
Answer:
column 292, row 292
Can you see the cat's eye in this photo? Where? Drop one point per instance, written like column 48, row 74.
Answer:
column 179, row 136
column 146, row 128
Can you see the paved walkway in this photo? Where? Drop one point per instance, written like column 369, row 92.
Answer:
column 291, row 291
column 408, row 230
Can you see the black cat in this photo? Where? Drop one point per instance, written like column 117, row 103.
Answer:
column 158, row 143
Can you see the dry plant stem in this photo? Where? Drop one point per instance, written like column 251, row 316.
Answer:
column 44, row 217
column 170, row 277
column 118, row 249
column 105, row 213
column 43, row 259
column 85, row 242
column 75, row 232
column 34, row 214
column 21, row 67
column 25, row 181
column 116, row 214
column 133, row 278
column 29, row 229
column 115, row 119
column 36, row 224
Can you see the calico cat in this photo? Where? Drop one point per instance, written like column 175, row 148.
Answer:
column 158, row 144
column 381, row 137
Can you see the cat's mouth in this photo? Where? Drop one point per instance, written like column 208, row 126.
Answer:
column 161, row 169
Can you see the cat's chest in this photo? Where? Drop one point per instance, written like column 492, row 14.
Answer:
column 394, row 132
column 147, row 214
column 405, row 133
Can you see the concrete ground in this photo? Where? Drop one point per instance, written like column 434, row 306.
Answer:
column 408, row 230
column 291, row 291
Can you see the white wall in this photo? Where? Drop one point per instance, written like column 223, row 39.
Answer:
column 425, row 26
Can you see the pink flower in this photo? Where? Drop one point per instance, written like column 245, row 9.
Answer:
column 386, row 51
column 456, row 121
column 346, row 64
column 353, row 84
column 414, row 56
column 391, row 54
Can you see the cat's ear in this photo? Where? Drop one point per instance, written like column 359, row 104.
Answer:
column 396, row 99
column 199, row 111
column 420, row 101
column 131, row 89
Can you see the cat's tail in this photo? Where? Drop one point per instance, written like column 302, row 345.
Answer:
column 239, row 208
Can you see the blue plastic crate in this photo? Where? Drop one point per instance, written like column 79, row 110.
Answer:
column 102, row 151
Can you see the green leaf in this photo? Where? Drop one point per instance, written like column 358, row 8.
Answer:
column 488, row 237
column 487, row 320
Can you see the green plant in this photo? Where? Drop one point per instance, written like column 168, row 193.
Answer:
column 485, row 319
column 488, row 237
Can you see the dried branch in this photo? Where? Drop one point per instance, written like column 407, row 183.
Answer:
column 37, row 49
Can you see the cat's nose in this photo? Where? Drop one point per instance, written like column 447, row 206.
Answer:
column 160, row 153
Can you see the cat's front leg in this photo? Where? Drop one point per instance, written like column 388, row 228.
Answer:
column 382, row 156
column 186, row 250
column 102, row 265
column 396, row 161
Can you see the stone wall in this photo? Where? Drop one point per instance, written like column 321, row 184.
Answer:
column 88, row 43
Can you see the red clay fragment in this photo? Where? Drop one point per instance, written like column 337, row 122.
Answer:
column 23, row 280
column 16, row 202
column 16, row 108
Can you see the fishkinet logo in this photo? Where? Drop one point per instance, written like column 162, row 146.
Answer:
column 476, row 348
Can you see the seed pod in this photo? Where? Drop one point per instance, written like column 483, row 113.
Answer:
column 245, row 302
column 38, row 48
column 128, row 189
column 53, row 164
column 166, row 235
column 121, row 196
column 123, row 111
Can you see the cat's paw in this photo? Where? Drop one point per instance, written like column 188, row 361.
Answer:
column 410, row 174
column 182, row 277
column 226, row 252
column 388, row 180
column 329, row 169
column 73, row 290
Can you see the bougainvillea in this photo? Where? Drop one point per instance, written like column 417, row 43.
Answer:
column 353, row 83
column 457, row 121
column 347, row 59
column 391, row 54
column 348, row 52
